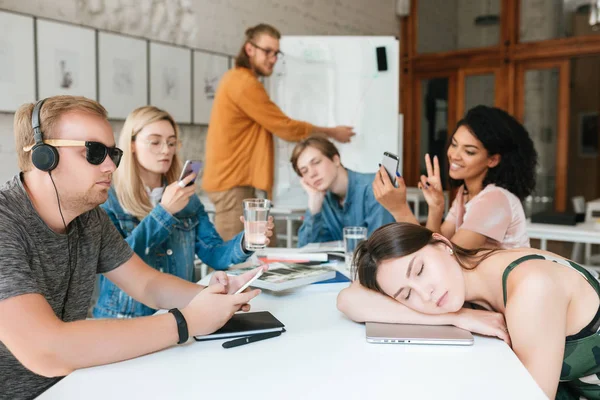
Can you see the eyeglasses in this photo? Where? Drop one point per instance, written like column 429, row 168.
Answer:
column 155, row 146
column 269, row 52
column 95, row 153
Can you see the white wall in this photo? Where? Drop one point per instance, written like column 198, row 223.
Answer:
column 216, row 25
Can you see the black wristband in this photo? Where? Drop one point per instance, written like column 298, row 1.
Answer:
column 182, row 327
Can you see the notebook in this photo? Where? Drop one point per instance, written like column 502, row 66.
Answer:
column 417, row 334
column 282, row 276
column 246, row 324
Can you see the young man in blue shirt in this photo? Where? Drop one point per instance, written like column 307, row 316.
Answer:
column 337, row 196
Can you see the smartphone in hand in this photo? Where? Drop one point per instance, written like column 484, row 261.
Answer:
column 191, row 166
column 390, row 163
column 245, row 285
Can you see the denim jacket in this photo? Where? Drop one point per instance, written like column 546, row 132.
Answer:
column 360, row 209
column 167, row 243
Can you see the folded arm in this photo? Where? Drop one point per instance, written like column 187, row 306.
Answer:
column 313, row 230
column 361, row 305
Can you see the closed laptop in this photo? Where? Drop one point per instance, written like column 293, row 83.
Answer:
column 417, row 334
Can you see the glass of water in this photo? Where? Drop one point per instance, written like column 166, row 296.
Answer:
column 353, row 235
column 256, row 215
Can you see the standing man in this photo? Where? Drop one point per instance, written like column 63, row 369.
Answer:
column 239, row 146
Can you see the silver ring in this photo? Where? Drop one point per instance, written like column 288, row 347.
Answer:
column 181, row 184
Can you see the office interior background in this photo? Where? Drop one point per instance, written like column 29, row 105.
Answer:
column 538, row 59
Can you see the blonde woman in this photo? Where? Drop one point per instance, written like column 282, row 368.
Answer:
column 163, row 222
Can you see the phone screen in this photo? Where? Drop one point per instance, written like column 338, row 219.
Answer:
column 390, row 163
column 191, row 166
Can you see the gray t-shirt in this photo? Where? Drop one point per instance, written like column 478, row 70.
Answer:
column 34, row 259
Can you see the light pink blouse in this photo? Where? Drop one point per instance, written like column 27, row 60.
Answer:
column 495, row 213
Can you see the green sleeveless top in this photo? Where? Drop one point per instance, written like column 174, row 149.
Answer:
column 580, row 374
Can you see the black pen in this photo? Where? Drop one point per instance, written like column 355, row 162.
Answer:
column 250, row 339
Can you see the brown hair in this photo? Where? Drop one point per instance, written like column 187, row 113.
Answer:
column 252, row 33
column 320, row 143
column 50, row 113
column 401, row 239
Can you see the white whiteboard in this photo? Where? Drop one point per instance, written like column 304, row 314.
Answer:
column 331, row 81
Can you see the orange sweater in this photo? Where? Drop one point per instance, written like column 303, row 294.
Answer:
column 239, row 145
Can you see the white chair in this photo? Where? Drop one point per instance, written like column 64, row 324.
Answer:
column 580, row 207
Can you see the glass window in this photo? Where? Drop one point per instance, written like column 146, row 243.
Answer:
column 541, row 120
column 550, row 19
column 583, row 175
column 479, row 89
column 446, row 25
column 434, row 123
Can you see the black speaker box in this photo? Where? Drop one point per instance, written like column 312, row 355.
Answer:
column 557, row 218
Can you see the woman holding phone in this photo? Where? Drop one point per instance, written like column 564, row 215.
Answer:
column 159, row 215
column 492, row 163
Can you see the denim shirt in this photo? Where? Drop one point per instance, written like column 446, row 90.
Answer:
column 360, row 209
column 167, row 243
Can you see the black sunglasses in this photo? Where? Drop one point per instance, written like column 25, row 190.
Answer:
column 95, row 153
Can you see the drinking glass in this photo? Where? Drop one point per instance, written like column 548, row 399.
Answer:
column 256, row 215
column 353, row 235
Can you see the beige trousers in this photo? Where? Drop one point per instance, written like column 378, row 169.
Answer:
column 229, row 209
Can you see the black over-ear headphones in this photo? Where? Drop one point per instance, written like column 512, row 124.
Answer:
column 43, row 156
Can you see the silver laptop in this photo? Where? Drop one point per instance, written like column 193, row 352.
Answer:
column 417, row 334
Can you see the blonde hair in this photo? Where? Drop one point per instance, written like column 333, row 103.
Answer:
column 127, row 182
column 320, row 143
column 50, row 113
column 252, row 33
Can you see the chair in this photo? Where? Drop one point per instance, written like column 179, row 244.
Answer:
column 592, row 213
column 580, row 207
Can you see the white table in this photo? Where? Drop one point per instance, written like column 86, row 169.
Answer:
column 323, row 355
column 585, row 232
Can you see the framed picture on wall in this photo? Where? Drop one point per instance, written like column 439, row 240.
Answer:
column 208, row 70
column 171, row 80
column 122, row 73
column 17, row 61
column 66, row 60
column 589, row 134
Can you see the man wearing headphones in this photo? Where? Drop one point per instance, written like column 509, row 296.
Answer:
column 55, row 239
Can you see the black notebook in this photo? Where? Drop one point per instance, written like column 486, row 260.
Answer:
column 246, row 324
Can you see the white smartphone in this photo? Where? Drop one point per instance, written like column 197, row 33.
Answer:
column 245, row 285
column 390, row 163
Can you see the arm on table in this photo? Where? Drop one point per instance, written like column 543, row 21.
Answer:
column 361, row 304
column 50, row 347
